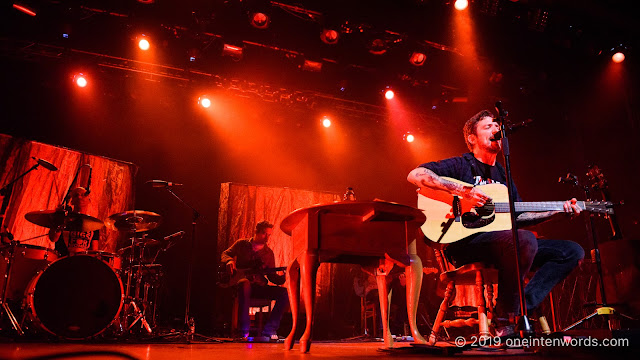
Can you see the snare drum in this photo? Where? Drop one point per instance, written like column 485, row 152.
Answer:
column 112, row 259
column 75, row 297
column 26, row 261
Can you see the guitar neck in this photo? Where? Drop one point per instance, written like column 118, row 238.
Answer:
column 503, row 207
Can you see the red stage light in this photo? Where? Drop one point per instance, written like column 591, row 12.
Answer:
column 409, row 137
column 260, row 20
column 417, row 58
column 618, row 57
column 329, row 36
column 144, row 44
column 80, row 80
column 461, row 4
column 326, row 122
column 389, row 94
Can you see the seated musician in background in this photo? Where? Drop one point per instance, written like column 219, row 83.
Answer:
column 75, row 241
column 554, row 259
column 255, row 254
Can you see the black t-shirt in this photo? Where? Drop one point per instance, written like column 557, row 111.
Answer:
column 470, row 170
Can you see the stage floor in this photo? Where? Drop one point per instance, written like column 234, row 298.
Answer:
column 262, row 351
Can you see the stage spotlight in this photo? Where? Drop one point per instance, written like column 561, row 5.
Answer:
column 461, row 4
column 259, row 20
column 204, row 101
column 329, row 36
column 417, row 58
column 326, row 122
column 408, row 137
column 313, row 66
column 618, row 57
column 389, row 94
column 80, row 80
column 234, row 52
column 24, row 9
column 143, row 43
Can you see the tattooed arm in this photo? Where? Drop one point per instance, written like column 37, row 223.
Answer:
column 534, row 218
column 423, row 177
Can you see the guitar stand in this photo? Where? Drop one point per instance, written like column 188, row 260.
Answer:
column 603, row 309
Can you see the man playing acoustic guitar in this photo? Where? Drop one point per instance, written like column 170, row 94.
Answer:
column 464, row 177
column 254, row 254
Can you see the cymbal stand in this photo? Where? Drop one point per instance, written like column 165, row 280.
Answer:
column 132, row 308
column 3, row 299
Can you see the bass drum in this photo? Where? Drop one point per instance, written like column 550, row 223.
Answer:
column 75, row 297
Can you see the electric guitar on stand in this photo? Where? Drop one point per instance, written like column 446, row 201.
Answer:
column 451, row 218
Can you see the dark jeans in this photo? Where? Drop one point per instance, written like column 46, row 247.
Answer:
column 554, row 260
column 246, row 290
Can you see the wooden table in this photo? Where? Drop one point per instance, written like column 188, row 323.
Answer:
column 374, row 234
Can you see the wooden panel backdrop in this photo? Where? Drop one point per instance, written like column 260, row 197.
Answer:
column 242, row 206
column 111, row 187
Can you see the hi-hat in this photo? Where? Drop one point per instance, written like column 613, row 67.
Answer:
column 65, row 220
column 134, row 220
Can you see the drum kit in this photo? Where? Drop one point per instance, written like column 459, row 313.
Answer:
column 88, row 293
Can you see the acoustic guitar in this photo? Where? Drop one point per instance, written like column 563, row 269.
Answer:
column 451, row 218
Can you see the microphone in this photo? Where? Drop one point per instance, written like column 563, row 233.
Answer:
column 161, row 183
column 45, row 164
column 511, row 129
column 89, row 181
column 500, row 110
column 178, row 234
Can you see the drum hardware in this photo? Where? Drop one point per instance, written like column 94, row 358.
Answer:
column 135, row 221
column 64, row 220
column 5, row 192
column 18, row 264
column 5, row 288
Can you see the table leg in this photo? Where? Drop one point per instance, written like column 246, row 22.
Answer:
column 293, row 279
column 308, row 270
column 381, row 280
column 413, row 274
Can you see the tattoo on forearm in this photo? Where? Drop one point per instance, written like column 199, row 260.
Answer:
column 533, row 218
column 428, row 178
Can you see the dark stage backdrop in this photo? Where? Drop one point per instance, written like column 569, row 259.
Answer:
column 111, row 188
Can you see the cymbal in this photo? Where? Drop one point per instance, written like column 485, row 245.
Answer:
column 70, row 221
column 134, row 220
column 139, row 243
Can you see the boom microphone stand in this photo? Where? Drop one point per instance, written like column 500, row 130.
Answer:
column 5, row 192
column 523, row 320
column 189, row 323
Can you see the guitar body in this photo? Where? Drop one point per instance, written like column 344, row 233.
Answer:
column 443, row 227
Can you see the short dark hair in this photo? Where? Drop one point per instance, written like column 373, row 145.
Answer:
column 262, row 226
column 471, row 125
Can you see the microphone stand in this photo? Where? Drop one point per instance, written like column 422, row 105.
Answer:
column 189, row 323
column 523, row 321
column 6, row 192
